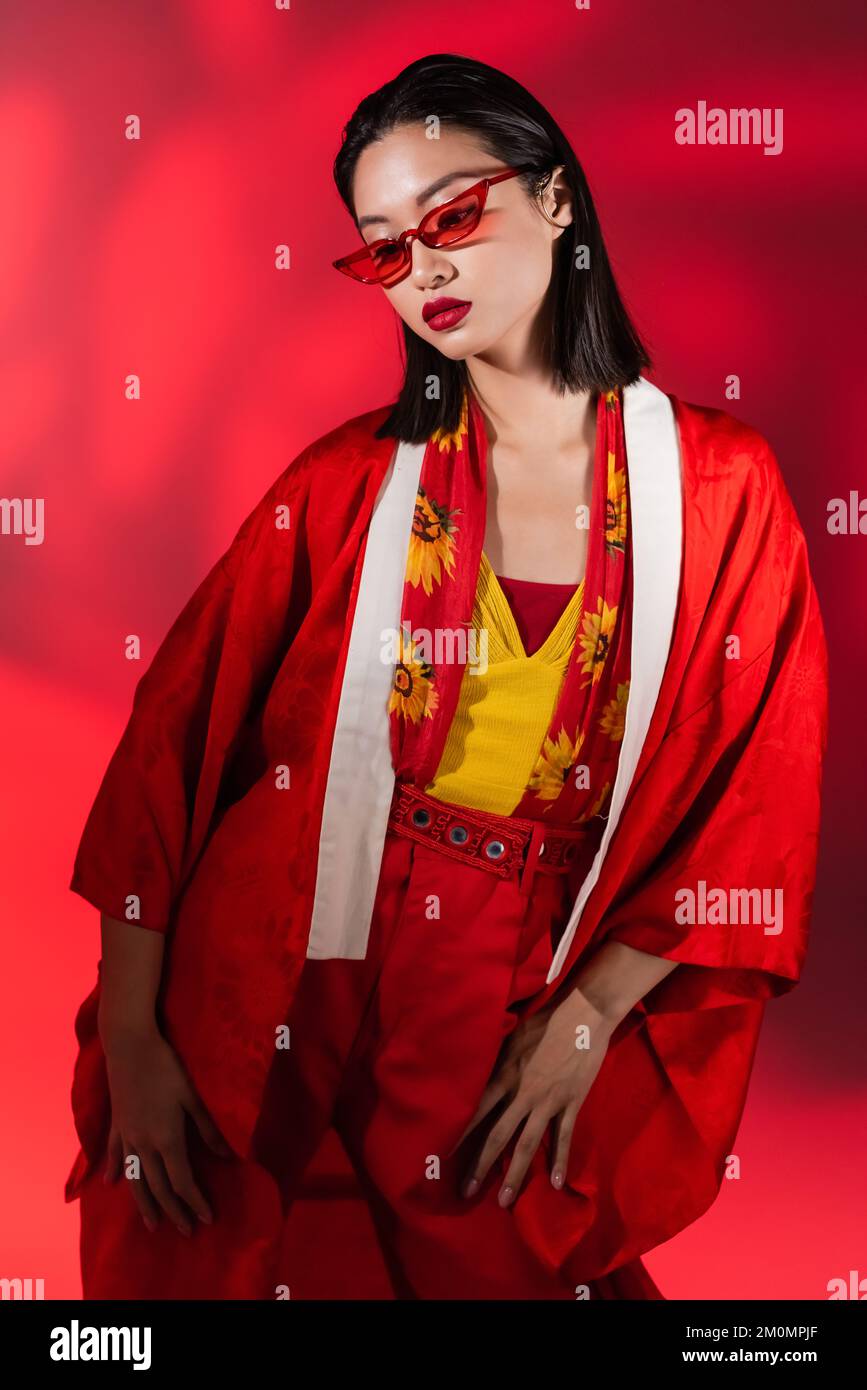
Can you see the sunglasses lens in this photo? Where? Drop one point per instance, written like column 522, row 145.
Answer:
column 379, row 265
column 388, row 260
column 454, row 221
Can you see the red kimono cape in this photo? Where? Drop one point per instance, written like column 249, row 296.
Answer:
column 244, row 807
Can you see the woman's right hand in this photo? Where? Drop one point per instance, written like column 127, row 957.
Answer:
column 151, row 1095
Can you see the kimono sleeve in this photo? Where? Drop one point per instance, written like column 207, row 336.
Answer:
column 730, row 895
column 136, row 841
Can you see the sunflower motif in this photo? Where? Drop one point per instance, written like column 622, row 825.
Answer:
column 611, row 399
column 596, row 639
column 453, row 439
column 615, row 506
column 413, row 696
column 554, row 764
column 613, row 716
column 431, row 544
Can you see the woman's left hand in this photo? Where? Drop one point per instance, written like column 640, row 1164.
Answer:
column 547, row 1066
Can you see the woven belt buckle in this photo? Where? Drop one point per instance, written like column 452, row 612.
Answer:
column 554, row 853
column 535, row 846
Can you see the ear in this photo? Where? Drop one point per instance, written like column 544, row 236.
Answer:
column 557, row 198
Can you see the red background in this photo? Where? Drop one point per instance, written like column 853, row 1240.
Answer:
column 157, row 257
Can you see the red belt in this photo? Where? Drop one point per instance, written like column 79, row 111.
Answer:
column 498, row 844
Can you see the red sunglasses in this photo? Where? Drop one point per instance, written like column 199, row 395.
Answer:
column 389, row 260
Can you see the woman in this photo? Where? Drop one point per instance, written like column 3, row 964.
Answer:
column 448, row 811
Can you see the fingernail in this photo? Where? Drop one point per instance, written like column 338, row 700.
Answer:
column 505, row 1196
column 206, row 1217
column 557, row 1178
column 471, row 1187
column 151, row 1225
column 184, row 1230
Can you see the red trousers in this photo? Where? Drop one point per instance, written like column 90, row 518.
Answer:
column 394, row 1051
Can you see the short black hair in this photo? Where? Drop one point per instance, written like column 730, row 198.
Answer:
column 593, row 344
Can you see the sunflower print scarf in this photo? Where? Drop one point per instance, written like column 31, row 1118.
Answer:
column 574, row 773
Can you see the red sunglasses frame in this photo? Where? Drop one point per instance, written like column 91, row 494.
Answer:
column 394, row 276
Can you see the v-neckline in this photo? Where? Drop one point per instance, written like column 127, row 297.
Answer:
column 511, row 635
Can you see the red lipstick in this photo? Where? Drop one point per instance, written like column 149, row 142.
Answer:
column 445, row 313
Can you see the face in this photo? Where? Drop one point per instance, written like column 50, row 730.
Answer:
column 502, row 269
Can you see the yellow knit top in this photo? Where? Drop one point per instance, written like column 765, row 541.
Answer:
column 504, row 711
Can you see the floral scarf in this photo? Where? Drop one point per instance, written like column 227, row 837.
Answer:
column 576, row 766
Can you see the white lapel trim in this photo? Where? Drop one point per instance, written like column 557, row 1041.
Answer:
column 656, row 500
column 360, row 784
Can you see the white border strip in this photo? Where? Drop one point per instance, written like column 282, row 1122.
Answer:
column 360, row 782
column 656, row 501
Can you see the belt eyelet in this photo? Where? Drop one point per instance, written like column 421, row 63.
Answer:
column 421, row 817
column 459, row 834
column 495, row 849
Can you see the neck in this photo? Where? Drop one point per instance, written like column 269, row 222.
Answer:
column 521, row 409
